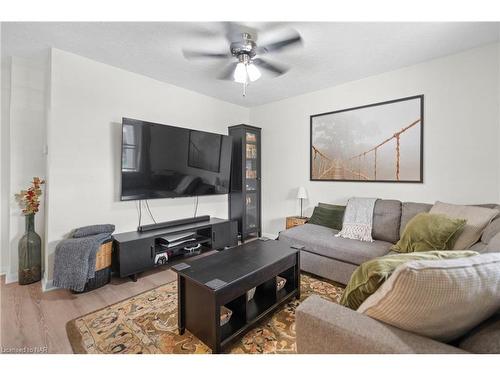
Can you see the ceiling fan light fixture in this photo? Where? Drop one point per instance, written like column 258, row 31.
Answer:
column 243, row 47
column 253, row 73
column 240, row 73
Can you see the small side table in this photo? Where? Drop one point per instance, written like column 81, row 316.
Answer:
column 293, row 221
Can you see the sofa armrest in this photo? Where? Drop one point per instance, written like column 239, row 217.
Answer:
column 327, row 327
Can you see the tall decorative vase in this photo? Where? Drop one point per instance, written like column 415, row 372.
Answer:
column 30, row 253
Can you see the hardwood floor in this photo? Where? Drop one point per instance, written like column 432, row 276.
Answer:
column 35, row 320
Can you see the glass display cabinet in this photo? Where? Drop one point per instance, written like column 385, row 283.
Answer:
column 245, row 192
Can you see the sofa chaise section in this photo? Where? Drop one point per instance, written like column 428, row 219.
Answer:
column 324, row 327
column 328, row 256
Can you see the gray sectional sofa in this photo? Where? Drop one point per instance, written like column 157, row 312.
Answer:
column 326, row 327
column 336, row 258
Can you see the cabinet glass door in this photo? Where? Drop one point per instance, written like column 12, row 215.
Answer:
column 251, row 211
column 252, row 180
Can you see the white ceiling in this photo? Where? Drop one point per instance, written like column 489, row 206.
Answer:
column 332, row 52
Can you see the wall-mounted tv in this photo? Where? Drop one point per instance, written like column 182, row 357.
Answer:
column 163, row 161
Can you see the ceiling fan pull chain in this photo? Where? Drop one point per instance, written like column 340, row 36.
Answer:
column 245, row 89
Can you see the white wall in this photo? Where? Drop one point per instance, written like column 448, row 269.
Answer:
column 88, row 101
column 461, row 136
column 23, row 142
column 4, row 162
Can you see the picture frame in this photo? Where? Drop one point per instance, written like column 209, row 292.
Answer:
column 378, row 142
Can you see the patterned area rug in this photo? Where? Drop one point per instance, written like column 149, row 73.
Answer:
column 147, row 323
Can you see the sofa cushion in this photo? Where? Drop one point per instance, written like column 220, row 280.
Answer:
column 427, row 232
column 368, row 277
column 480, row 247
column 491, row 231
column 440, row 299
column 477, row 220
column 487, row 205
column 483, row 339
column 410, row 210
column 386, row 220
column 322, row 241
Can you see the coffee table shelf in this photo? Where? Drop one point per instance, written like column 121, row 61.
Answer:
column 232, row 328
column 223, row 279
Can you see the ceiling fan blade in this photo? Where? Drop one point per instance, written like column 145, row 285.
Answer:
column 228, row 72
column 290, row 40
column 189, row 54
column 271, row 67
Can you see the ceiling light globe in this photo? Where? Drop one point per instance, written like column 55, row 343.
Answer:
column 253, row 72
column 240, row 73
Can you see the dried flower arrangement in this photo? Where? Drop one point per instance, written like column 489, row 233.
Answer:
column 30, row 198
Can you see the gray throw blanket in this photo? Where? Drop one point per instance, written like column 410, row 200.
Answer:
column 75, row 257
column 91, row 230
column 358, row 219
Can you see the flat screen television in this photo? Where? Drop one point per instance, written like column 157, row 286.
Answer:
column 163, row 161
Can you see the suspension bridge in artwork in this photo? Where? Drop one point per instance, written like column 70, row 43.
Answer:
column 362, row 166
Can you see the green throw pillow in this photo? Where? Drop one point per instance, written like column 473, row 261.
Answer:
column 337, row 207
column 328, row 217
column 369, row 276
column 427, row 231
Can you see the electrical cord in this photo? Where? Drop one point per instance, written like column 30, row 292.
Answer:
column 196, row 207
column 149, row 210
column 139, row 211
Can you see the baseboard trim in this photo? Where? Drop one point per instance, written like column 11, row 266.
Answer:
column 11, row 278
column 48, row 285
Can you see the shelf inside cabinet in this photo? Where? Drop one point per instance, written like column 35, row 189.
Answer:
column 199, row 239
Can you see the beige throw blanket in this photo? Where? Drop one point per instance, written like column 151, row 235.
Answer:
column 358, row 219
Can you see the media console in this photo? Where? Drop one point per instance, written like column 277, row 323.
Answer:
column 135, row 252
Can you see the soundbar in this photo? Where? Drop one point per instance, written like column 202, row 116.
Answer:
column 173, row 223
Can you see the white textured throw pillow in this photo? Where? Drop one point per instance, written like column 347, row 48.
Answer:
column 477, row 220
column 440, row 299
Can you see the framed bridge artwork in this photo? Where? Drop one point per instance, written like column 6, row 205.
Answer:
column 380, row 142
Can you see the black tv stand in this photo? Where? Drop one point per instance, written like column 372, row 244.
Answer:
column 135, row 252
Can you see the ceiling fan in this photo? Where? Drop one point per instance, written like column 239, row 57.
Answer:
column 244, row 49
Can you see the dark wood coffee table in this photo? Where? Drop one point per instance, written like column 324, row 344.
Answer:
column 223, row 279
